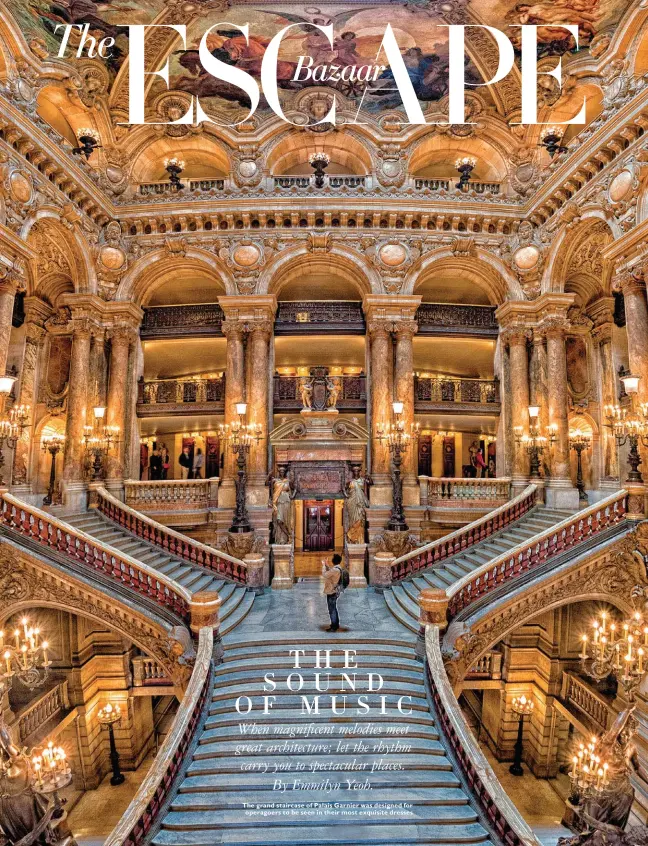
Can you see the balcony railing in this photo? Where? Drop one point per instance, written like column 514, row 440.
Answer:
column 447, row 319
column 450, row 185
column 350, row 183
column 353, row 396
column 180, row 396
column 35, row 716
column 579, row 696
column 444, row 392
column 182, row 321
column 148, row 673
column 174, row 502
column 320, row 317
column 166, row 189
column 439, row 492
column 488, row 667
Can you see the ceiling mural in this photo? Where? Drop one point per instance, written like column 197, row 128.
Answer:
column 358, row 28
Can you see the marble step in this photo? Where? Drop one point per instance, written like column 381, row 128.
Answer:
column 400, row 613
column 231, row 618
column 254, row 746
column 392, row 673
column 367, row 834
column 327, row 687
column 276, row 715
column 431, row 779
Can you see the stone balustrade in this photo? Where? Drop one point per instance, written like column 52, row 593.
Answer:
column 142, row 813
column 147, row 671
column 434, row 185
column 433, row 391
column 34, row 716
column 439, row 491
column 166, row 189
column 577, row 695
column 571, row 532
column 172, row 494
column 489, row 666
column 180, row 396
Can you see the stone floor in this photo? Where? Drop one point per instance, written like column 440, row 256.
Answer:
column 98, row 811
column 303, row 608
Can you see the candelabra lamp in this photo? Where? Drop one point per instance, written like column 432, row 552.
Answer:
column 13, row 421
column 523, row 707
column 319, row 162
column 108, row 717
column 54, row 444
column 465, row 166
column 616, row 648
column 239, row 437
column 550, row 140
column 99, row 441
column 398, row 441
column 88, row 143
column 535, row 442
column 580, row 441
column 24, row 655
column 630, row 425
column 174, row 167
column 588, row 774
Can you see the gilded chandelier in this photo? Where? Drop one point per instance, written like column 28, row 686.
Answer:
column 617, row 649
column 240, row 436
column 398, row 438
column 24, row 656
column 630, row 425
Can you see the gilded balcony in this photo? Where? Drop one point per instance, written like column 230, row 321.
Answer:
column 456, row 395
column 182, row 321
column 169, row 397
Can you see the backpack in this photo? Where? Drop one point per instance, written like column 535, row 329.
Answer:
column 343, row 584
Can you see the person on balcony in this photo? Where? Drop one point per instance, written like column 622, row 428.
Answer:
column 185, row 463
column 198, row 464
column 155, row 465
column 166, row 461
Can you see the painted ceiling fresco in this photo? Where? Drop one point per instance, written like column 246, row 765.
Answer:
column 358, row 31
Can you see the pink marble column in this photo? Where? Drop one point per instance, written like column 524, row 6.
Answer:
column 258, row 352
column 234, row 383
column 34, row 337
column 538, row 377
column 381, row 397
column 558, row 399
column 77, row 401
column 121, row 338
column 8, row 287
column 633, row 287
column 602, row 336
column 404, row 389
column 519, row 399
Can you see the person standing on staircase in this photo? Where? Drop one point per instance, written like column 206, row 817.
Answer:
column 332, row 572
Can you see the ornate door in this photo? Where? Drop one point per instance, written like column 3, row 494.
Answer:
column 318, row 526
column 449, row 456
column 425, row 455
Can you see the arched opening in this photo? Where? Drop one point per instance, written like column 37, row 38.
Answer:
column 203, row 157
column 347, row 155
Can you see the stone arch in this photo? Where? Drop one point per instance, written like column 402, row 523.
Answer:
column 575, row 261
column 345, row 150
column 486, row 271
column 153, row 269
column 434, row 155
column 203, row 155
column 346, row 264
column 61, row 249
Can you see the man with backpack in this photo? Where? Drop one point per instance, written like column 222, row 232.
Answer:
column 336, row 579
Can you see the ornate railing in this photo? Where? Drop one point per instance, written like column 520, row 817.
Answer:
column 182, row 320
column 142, row 813
column 166, row 189
column 576, row 692
column 352, row 397
column 147, row 671
column 30, row 522
column 489, row 666
column 500, row 812
column 569, row 533
column 330, row 181
column 309, row 317
column 441, row 391
column 38, row 713
column 450, row 185
column 469, row 535
column 450, row 491
column 172, row 494
column 446, row 318
column 172, row 542
column 183, row 395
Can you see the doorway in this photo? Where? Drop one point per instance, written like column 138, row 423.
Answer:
column 319, row 525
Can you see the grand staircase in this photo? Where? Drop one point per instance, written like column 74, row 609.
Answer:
column 227, row 795
column 236, row 601
column 402, row 598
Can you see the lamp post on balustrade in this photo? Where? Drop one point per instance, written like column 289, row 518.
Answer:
column 240, row 436
column 630, row 425
column 13, row 421
column 579, row 441
column 523, row 707
column 535, row 442
column 108, row 717
column 398, row 441
column 99, row 440
column 53, row 445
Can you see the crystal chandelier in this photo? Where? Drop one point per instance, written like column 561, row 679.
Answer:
column 616, row 649
column 588, row 773
column 24, row 656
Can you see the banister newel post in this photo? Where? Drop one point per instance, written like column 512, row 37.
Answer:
column 204, row 610
column 433, row 611
column 382, row 566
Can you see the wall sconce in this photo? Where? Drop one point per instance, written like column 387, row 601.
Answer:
column 550, row 140
column 465, row 166
column 88, row 142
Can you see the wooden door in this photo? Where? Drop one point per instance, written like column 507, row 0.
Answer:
column 319, row 523
column 449, row 457
column 425, row 455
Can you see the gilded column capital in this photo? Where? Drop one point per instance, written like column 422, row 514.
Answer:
column 263, row 328
column 83, row 326
column 379, row 328
column 516, row 335
column 602, row 333
column 11, row 280
column 630, row 281
column 405, row 328
column 555, row 326
column 34, row 334
column 122, row 335
column 539, row 335
column 233, row 329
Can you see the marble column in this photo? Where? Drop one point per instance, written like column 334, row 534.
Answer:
column 558, row 401
column 519, row 369
column 258, row 350
column 77, row 401
column 9, row 284
column 97, row 386
column 381, row 412
column 34, row 337
column 234, row 331
column 602, row 335
column 538, row 377
column 121, row 338
column 404, row 392
column 633, row 287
